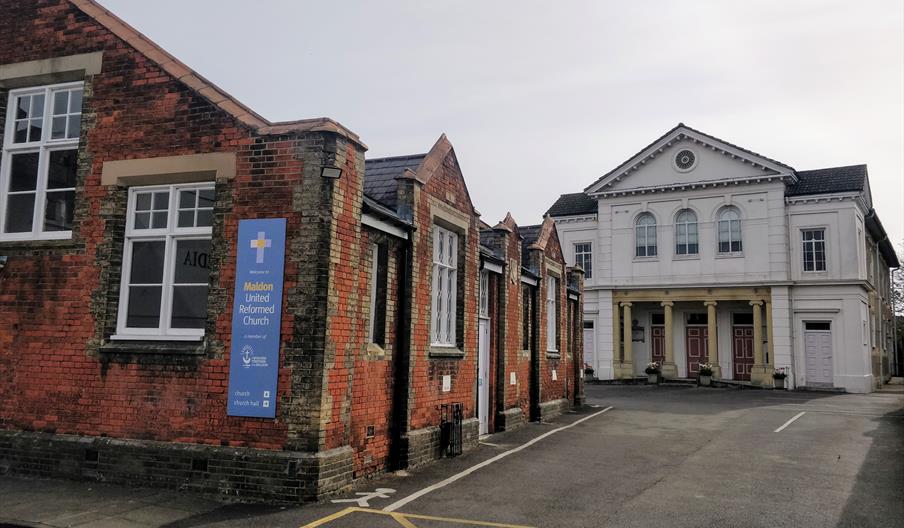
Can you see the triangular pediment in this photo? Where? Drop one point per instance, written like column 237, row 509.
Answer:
column 684, row 156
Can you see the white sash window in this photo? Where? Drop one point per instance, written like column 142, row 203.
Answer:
column 552, row 305
column 165, row 265
column 39, row 162
column 445, row 287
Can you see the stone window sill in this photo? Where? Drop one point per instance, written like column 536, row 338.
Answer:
column 446, row 352
column 374, row 352
column 553, row 354
column 729, row 255
column 686, row 257
column 646, row 259
column 184, row 348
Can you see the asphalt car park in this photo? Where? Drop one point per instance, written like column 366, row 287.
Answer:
column 642, row 456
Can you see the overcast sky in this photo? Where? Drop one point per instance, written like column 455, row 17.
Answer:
column 541, row 98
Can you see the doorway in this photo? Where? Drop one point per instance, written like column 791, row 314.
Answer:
column 742, row 346
column 696, row 342
column 818, row 353
column 483, row 357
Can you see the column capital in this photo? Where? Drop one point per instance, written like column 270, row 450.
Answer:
column 626, row 303
column 756, row 303
column 667, row 303
column 709, row 303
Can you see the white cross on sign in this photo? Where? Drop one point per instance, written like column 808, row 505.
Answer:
column 379, row 493
column 259, row 244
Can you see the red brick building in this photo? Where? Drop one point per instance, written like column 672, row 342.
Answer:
column 123, row 178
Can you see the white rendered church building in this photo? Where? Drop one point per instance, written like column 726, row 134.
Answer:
column 699, row 251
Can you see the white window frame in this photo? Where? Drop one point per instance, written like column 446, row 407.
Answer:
column 43, row 147
column 552, row 316
column 171, row 234
column 803, row 251
column 444, row 317
column 374, row 274
column 649, row 234
column 484, row 306
column 586, row 260
column 685, row 239
column 729, row 224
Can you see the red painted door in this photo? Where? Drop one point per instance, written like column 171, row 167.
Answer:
column 657, row 343
column 697, row 349
column 742, row 352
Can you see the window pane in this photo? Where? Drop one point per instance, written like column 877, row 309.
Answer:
column 651, row 251
column 191, row 266
column 58, row 211
column 161, row 201
column 62, row 169
column 159, row 220
column 37, row 105
column 75, row 102
column 186, row 199
column 147, row 262
column 35, row 130
column 143, row 201
column 21, row 133
column 186, row 219
column 205, row 218
column 60, row 102
column 189, row 307
column 723, row 247
column 73, row 127
column 24, row 172
column 144, row 307
column 58, row 127
column 20, row 210
column 205, row 198
column 23, row 106
column 142, row 220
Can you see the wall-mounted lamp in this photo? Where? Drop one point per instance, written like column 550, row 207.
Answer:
column 332, row 173
column 3, row 260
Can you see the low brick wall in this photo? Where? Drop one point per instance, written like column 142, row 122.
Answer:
column 510, row 419
column 235, row 474
column 551, row 409
column 423, row 444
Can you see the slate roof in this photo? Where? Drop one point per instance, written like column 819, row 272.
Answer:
column 529, row 234
column 851, row 178
column 380, row 176
column 573, row 204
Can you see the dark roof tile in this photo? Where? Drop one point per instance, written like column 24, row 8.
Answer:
column 573, row 204
column 380, row 176
column 851, row 178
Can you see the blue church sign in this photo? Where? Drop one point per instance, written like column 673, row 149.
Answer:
column 256, row 315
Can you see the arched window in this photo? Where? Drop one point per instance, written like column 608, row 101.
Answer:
column 645, row 235
column 686, row 233
column 729, row 230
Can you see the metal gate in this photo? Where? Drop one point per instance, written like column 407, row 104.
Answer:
column 450, row 440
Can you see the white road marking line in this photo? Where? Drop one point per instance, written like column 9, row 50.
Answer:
column 791, row 421
column 443, row 483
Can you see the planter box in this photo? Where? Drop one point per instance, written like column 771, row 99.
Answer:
column 653, row 379
column 779, row 383
column 705, row 381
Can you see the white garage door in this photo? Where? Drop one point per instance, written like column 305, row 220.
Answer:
column 818, row 350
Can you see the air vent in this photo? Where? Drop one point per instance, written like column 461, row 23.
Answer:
column 685, row 160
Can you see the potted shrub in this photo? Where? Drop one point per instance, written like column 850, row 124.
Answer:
column 706, row 374
column 588, row 370
column 778, row 378
column 652, row 371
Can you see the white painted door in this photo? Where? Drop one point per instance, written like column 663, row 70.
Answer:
column 818, row 350
column 483, row 376
column 590, row 348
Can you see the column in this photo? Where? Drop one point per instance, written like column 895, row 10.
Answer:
column 770, row 350
column 712, row 338
column 629, row 353
column 669, row 370
column 616, row 341
column 759, row 375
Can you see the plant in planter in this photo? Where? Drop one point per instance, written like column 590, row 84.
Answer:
column 706, row 374
column 652, row 371
column 778, row 378
column 588, row 370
